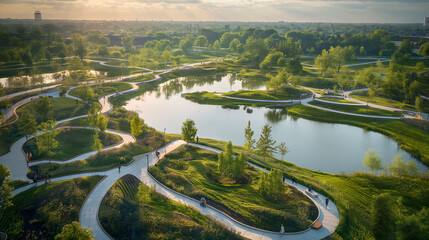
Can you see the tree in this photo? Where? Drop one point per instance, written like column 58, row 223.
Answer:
column 27, row 124
column 270, row 185
column 136, row 126
column 239, row 165
column 216, row 45
column 419, row 104
column 201, row 41
column 79, row 45
column 74, row 231
column 189, row 130
column 235, row 45
column 255, row 50
column 187, row 43
column 249, row 142
column 46, row 141
column 221, row 164
column 382, row 218
column 102, row 122
column 400, row 168
column 97, row 144
column 128, row 43
column 372, row 161
column 424, row 49
column 278, row 82
column 166, row 56
column 282, row 149
column 5, row 188
column 43, row 107
column 371, row 78
column 63, row 90
column 265, row 143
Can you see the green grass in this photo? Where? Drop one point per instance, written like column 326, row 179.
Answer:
column 356, row 109
column 62, row 108
column 410, row 138
column 363, row 96
column 72, row 142
column 41, row 212
column 103, row 89
column 213, row 99
column 193, row 172
column 353, row 194
column 286, row 94
column 154, row 218
column 114, row 71
column 142, row 78
column 118, row 119
column 340, row 100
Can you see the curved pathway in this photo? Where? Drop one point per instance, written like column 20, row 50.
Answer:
column 89, row 215
column 138, row 167
column 126, row 139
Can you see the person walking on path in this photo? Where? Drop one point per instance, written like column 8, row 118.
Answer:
column 282, row 229
column 119, row 168
column 326, row 201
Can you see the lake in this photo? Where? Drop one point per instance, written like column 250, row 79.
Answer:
column 327, row 147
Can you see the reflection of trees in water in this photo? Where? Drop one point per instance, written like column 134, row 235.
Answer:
column 251, row 83
column 172, row 87
column 191, row 81
column 276, row 115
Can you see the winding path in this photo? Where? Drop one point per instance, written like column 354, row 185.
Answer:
column 15, row 160
column 89, row 215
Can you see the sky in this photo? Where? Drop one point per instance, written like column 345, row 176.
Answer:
column 345, row 11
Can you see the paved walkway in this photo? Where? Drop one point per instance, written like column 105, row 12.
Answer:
column 89, row 215
column 126, row 139
column 15, row 161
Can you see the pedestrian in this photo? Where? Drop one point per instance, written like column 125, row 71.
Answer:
column 119, row 168
column 326, row 201
column 49, row 177
column 282, row 229
column 197, row 139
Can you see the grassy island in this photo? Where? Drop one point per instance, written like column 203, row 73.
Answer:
column 193, row 172
column 142, row 213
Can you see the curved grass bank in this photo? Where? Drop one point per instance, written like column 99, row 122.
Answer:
column 131, row 208
column 72, row 142
column 193, row 171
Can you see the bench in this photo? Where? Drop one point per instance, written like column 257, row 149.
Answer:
column 311, row 194
column 317, row 225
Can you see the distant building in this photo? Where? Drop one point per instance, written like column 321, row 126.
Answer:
column 37, row 15
column 426, row 21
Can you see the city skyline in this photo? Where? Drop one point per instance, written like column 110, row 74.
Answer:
column 350, row 11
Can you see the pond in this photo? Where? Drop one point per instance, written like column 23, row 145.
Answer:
column 47, row 78
column 327, row 147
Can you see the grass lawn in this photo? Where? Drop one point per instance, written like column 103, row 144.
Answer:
column 62, row 108
column 155, row 217
column 114, row 71
column 118, row 119
column 193, row 172
column 72, row 142
column 363, row 96
column 103, row 89
column 41, row 212
column 288, row 93
column 340, row 100
column 142, row 78
column 353, row 194
column 213, row 99
column 356, row 109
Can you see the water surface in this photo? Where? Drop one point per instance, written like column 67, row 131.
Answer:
column 320, row 146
